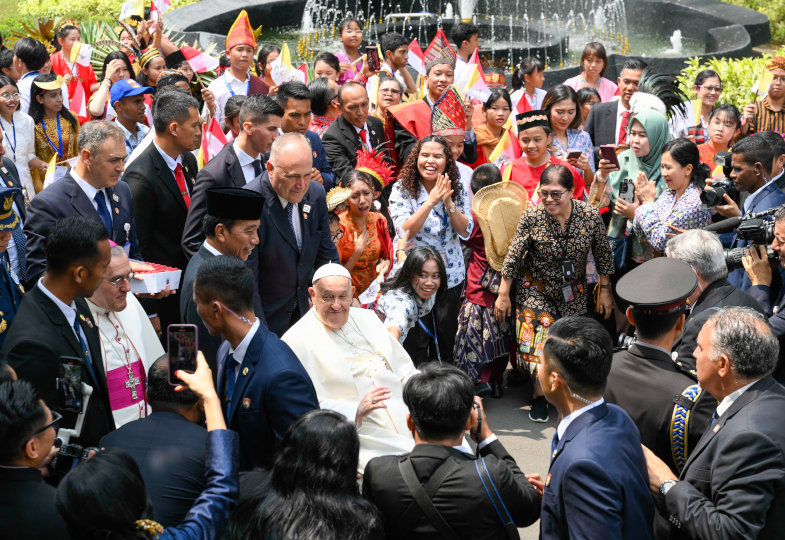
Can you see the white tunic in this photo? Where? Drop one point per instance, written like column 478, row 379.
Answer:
column 19, row 144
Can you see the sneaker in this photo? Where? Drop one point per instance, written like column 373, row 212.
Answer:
column 539, row 410
column 482, row 389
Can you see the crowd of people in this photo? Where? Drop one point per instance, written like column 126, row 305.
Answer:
column 360, row 264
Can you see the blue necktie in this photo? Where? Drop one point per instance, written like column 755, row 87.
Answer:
column 231, row 378
column 257, row 167
column 20, row 241
column 86, row 350
column 290, row 215
column 103, row 212
column 714, row 419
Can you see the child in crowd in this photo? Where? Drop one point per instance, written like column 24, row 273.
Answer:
column 587, row 98
column 724, row 124
column 594, row 62
column 232, row 116
column 350, row 32
column 527, row 81
column 327, row 65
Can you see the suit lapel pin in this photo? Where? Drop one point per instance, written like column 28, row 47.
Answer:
column 5, row 171
column 115, row 197
column 548, row 480
column 245, row 372
column 10, row 184
column 246, row 403
column 716, row 428
column 116, row 210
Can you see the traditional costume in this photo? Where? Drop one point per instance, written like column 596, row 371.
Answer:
column 11, row 290
column 129, row 346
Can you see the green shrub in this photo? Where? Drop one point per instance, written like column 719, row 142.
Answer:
column 78, row 9
column 773, row 9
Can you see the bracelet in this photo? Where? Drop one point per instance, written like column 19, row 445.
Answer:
column 605, row 286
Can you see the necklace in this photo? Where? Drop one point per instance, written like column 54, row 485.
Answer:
column 124, row 343
column 372, row 348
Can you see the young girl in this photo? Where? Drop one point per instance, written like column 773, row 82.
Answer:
column 56, row 128
column 264, row 61
column 587, row 98
column 73, row 73
column 594, row 61
column 152, row 64
column 724, row 124
column 535, row 137
column 497, row 109
column 18, row 136
column 561, row 107
column 695, row 123
column 327, row 65
column 351, row 34
column 117, row 66
column 527, row 82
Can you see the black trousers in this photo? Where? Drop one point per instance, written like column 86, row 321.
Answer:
column 420, row 346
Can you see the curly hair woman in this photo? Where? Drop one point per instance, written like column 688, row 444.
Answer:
column 429, row 201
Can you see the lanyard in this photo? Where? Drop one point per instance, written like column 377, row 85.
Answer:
column 59, row 137
column 431, row 335
column 13, row 128
column 229, row 87
column 30, row 74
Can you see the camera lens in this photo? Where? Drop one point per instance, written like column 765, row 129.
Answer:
column 733, row 257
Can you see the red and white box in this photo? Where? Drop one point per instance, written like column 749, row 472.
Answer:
column 151, row 278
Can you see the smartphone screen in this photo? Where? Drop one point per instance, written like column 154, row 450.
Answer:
column 69, row 385
column 182, row 344
column 575, row 154
column 627, row 191
column 372, row 55
column 608, row 151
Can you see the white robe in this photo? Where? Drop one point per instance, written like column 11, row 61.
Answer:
column 116, row 330
column 344, row 366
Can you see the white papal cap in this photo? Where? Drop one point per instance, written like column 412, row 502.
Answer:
column 328, row 270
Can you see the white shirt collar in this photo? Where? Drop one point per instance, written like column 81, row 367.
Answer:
column 171, row 163
column 242, row 157
column 89, row 190
column 239, row 353
column 751, row 199
column 211, row 249
column 570, row 418
column 68, row 311
column 728, row 400
column 232, row 79
column 358, row 130
column 620, row 109
column 284, row 202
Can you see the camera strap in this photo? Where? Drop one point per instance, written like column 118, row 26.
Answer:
column 496, row 500
column 422, row 494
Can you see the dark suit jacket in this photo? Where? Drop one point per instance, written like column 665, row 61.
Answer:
column 170, row 453
column 777, row 322
column 320, row 160
column 461, row 499
column 271, row 392
column 716, row 295
column 39, row 336
column 601, row 126
column 11, row 294
column 733, row 485
column 160, row 211
column 64, row 199
column 222, row 171
column 645, row 383
column 341, row 143
column 207, row 344
column 27, row 506
column 598, row 485
column 284, row 273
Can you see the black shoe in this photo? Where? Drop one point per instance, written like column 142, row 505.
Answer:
column 482, row 389
column 497, row 391
column 517, row 377
column 539, row 410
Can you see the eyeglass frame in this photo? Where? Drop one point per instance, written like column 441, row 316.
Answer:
column 118, row 281
column 55, row 423
column 552, row 194
column 717, row 89
column 337, row 236
column 13, row 95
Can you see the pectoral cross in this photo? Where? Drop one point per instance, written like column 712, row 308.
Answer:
column 132, row 382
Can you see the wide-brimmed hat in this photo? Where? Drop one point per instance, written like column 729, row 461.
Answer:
column 336, row 196
column 498, row 209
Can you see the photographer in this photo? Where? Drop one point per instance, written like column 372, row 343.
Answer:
column 756, row 264
column 27, row 433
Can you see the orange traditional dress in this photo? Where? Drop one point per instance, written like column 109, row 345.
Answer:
column 379, row 247
column 50, row 141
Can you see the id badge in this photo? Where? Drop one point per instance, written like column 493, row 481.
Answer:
column 568, row 270
column 566, row 292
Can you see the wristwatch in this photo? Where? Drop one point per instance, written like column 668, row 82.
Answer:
column 666, row 486
column 452, row 209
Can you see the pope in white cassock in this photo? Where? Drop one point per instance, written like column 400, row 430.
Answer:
column 356, row 366
column 129, row 344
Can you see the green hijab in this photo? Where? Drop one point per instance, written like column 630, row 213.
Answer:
column 656, row 126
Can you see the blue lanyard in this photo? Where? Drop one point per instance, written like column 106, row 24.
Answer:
column 59, row 137
column 229, row 87
column 12, row 145
column 431, row 335
column 30, row 74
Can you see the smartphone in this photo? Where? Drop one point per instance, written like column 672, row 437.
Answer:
column 608, row 151
column 627, row 190
column 372, row 57
column 69, row 385
column 182, row 343
column 575, row 154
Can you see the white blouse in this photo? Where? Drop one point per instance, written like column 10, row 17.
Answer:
column 19, row 144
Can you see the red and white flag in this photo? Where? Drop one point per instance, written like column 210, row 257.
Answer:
column 158, row 8
column 78, row 103
column 200, row 62
column 304, row 69
column 416, row 57
column 213, row 140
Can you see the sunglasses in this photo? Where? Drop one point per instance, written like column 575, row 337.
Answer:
column 54, row 424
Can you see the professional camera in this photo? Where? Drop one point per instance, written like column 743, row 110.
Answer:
column 625, row 341
column 719, row 188
column 68, row 457
column 758, row 232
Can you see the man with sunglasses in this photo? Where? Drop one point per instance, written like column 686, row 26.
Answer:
column 27, row 433
column 129, row 344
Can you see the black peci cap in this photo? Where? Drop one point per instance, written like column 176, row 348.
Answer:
column 234, row 203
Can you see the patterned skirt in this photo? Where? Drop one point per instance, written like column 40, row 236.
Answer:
column 480, row 340
column 531, row 331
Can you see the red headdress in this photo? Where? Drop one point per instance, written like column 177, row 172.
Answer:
column 241, row 32
column 374, row 164
column 448, row 116
column 439, row 52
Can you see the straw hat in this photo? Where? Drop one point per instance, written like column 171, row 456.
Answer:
column 498, row 209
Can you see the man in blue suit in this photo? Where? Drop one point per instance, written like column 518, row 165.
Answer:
column 262, row 384
column 11, row 289
column 91, row 189
column 597, row 484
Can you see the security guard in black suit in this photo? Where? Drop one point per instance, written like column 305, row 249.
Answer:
column 11, row 289
column 669, row 408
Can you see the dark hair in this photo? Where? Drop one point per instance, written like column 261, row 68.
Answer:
column 633, row 64
column 463, row 32
column 754, row 150
column 172, row 107
column 73, row 241
column 225, row 278
column 652, row 325
column 328, row 58
column 5, row 80
column 36, row 110
column 392, row 41
column 21, row 413
column 7, row 373
column 730, row 111
column 585, row 94
column 359, row 176
column 256, row 108
column 440, row 399
column 528, row 65
column 333, row 217
column 115, row 55
column 409, row 177
column 581, row 350
column 595, row 48
column 103, row 497
column 485, row 175
column 349, row 84
column 209, row 224
column 746, row 338
column 321, row 95
column 170, row 79
column 701, row 77
column 685, row 152
column 344, row 24
column 32, row 52
column 559, row 174
column 161, row 394
column 412, row 267
column 261, row 58
column 62, row 33
column 496, row 95
column 233, row 106
column 291, row 90
column 558, row 93
column 6, row 58
column 775, row 140
column 165, row 91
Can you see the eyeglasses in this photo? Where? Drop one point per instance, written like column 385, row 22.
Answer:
column 393, row 91
column 9, row 97
column 337, row 236
column 54, row 424
column 710, row 89
column 555, row 195
column 118, row 281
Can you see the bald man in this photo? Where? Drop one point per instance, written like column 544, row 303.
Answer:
column 294, row 232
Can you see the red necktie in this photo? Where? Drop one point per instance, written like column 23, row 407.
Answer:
column 363, row 138
column 180, row 179
column 625, row 120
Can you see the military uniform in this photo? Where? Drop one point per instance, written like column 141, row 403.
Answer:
column 11, row 290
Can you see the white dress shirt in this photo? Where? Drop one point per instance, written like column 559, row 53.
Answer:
column 239, row 353
column 171, row 163
column 246, row 163
column 750, row 200
column 728, row 400
column 90, row 191
column 210, row 248
column 224, row 87
column 365, row 140
column 570, row 418
column 298, row 233
column 619, row 111
column 68, row 311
